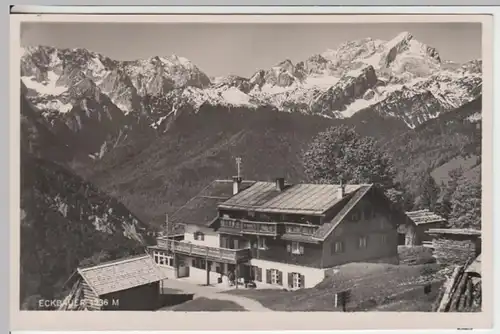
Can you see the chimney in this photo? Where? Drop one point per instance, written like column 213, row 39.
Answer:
column 280, row 183
column 236, row 184
column 341, row 189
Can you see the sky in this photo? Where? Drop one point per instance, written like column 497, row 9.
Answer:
column 242, row 49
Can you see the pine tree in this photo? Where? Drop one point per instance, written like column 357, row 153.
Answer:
column 429, row 193
column 466, row 205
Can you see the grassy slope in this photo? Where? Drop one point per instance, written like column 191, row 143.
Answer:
column 372, row 285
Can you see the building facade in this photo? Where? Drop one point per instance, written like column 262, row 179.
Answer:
column 278, row 234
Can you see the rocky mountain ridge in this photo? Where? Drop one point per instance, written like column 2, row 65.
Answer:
column 86, row 93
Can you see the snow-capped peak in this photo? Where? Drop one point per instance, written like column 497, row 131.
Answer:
column 403, row 37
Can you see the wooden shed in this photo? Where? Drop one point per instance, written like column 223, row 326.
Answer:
column 413, row 232
column 455, row 246
column 127, row 284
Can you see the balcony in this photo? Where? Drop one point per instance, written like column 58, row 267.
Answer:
column 300, row 229
column 243, row 226
column 209, row 253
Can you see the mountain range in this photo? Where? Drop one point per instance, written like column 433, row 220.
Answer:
column 86, row 95
column 109, row 147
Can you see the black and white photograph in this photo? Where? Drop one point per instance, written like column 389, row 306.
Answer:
column 244, row 167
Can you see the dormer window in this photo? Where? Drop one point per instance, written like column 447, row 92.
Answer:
column 199, row 236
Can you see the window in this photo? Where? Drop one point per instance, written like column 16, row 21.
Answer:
column 199, row 236
column 295, row 280
column 261, row 243
column 251, row 214
column 362, row 241
column 274, row 276
column 295, row 248
column 383, row 238
column 257, row 273
column 162, row 259
column 337, row 247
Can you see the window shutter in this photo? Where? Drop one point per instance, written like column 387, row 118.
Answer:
column 268, row 276
column 290, row 280
column 302, row 281
column 259, row 274
column 301, row 249
column 280, row 277
column 288, row 248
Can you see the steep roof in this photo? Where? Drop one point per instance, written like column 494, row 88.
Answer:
column 202, row 208
column 324, row 230
column 297, row 198
column 424, row 217
column 121, row 274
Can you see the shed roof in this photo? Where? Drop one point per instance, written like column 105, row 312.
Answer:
column 121, row 274
column 424, row 217
column 297, row 198
column 202, row 208
column 454, row 231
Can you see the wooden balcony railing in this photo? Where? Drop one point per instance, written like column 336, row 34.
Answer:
column 211, row 253
column 301, row 229
column 250, row 227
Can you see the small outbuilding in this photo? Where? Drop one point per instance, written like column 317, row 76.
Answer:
column 455, row 246
column 131, row 283
column 413, row 232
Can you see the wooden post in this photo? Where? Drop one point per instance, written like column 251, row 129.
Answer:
column 207, row 265
column 176, row 265
column 208, row 272
column 258, row 242
column 236, row 275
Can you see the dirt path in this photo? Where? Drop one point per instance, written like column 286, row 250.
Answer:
column 214, row 293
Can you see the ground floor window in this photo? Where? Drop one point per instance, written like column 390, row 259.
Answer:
column 274, row 276
column 295, row 280
column 199, row 263
column 162, row 259
column 257, row 273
